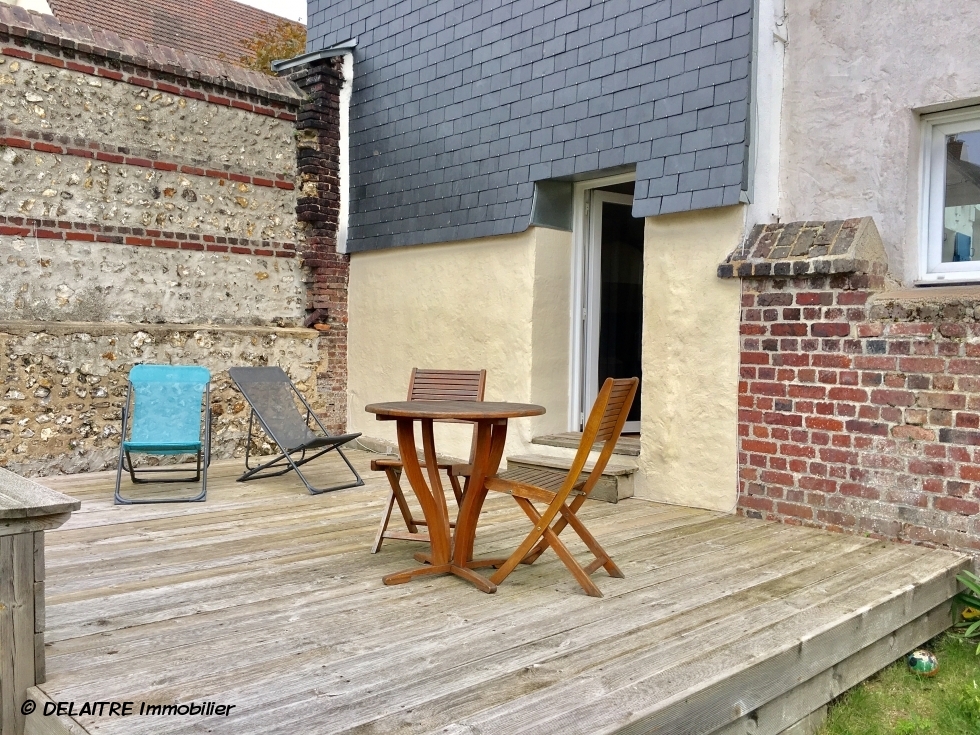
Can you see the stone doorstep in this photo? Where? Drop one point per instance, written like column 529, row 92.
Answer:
column 615, row 484
column 627, row 445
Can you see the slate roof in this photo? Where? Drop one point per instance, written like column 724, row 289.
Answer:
column 460, row 105
column 213, row 29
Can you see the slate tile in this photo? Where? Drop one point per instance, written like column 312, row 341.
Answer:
column 680, row 163
column 663, row 186
column 669, row 106
column 699, row 98
column 732, row 91
column 714, row 74
column 701, row 16
column 699, row 57
column 712, row 116
column 683, row 123
column 669, row 67
column 710, row 158
column 671, row 26
column 728, row 134
column 706, row 198
column 695, row 140
column 684, row 42
column 680, row 202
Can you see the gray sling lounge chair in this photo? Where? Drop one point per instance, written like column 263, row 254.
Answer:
column 273, row 399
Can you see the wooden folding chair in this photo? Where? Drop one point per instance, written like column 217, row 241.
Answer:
column 428, row 385
column 605, row 424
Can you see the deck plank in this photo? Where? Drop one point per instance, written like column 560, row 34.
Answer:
column 267, row 597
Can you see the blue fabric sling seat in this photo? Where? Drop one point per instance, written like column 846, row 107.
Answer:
column 164, row 411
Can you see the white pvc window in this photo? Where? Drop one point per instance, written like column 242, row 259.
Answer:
column 950, row 227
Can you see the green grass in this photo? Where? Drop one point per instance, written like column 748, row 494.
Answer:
column 897, row 702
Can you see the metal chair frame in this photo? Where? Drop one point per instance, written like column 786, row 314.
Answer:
column 331, row 443
column 202, row 462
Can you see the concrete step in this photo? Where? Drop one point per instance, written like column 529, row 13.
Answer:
column 628, row 444
column 615, row 484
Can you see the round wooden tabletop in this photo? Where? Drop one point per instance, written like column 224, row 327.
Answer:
column 462, row 410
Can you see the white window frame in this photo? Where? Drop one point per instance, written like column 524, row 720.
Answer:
column 936, row 127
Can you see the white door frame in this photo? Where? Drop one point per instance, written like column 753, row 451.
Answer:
column 581, row 279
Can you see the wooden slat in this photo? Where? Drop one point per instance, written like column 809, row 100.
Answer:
column 268, row 598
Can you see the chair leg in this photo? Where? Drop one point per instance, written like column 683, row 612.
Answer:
column 457, row 490
column 395, row 494
column 558, row 527
column 385, row 517
column 558, row 545
column 573, row 566
column 551, row 539
column 602, row 558
column 532, row 538
column 399, row 496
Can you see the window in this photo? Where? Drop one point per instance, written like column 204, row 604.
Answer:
column 950, row 229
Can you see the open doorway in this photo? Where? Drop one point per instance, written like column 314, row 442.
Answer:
column 611, row 307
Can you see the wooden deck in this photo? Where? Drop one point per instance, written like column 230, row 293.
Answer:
column 267, row 598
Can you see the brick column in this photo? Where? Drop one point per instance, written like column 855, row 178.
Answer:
column 859, row 404
column 318, row 212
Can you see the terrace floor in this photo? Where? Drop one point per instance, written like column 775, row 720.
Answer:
column 267, row 598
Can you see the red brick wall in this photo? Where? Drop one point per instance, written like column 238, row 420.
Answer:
column 318, row 210
column 858, row 413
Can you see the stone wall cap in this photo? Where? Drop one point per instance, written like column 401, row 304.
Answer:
column 109, row 328
column 931, row 294
column 19, row 22
column 807, row 248
column 23, row 498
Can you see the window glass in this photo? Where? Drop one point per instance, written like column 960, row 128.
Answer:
column 961, row 210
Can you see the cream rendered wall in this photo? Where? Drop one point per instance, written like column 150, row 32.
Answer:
column 857, row 73
column 498, row 303
column 690, row 360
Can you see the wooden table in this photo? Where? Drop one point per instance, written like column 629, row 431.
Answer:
column 450, row 555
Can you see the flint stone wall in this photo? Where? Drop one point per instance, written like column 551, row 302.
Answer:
column 36, row 96
column 74, row 189
column 148, row 214
column 64, row 385
column 80, row 281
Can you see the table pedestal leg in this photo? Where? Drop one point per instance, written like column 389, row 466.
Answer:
column 433, row 501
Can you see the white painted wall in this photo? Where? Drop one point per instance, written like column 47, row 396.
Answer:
column 857, row 75
column 688, row 425
column 497, row 303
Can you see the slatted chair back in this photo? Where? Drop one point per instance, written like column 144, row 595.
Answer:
column 605, row 424
column 446, row 385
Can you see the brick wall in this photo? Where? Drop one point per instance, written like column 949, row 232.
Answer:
column 318, row 211
column 859, row 407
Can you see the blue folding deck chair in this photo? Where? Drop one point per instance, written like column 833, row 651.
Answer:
column 166, row 403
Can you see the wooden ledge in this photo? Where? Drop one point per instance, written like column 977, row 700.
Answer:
column 21, row 498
